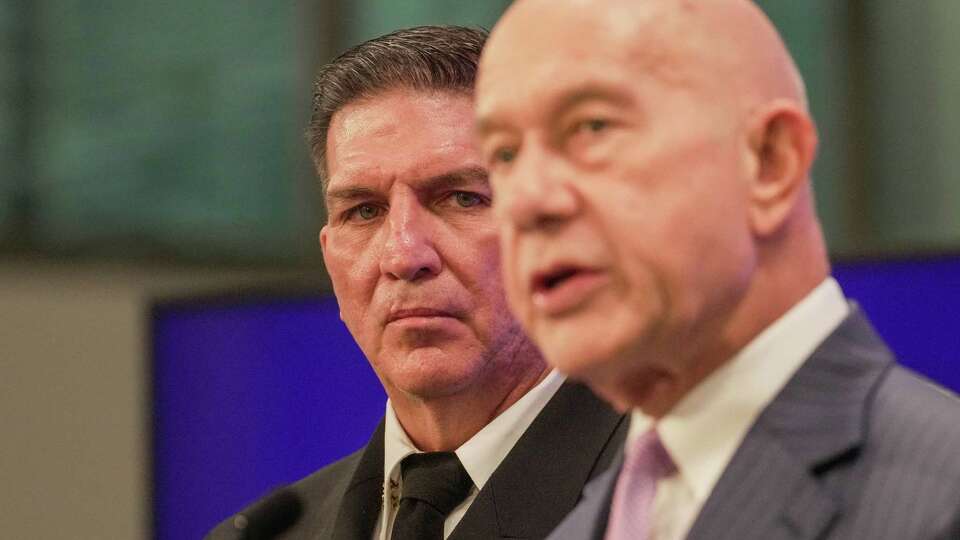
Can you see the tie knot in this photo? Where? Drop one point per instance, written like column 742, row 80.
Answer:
column 436, row 478
column 647, row 456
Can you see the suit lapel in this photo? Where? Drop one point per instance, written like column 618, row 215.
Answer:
column 601, row 490
column 773, row 486
column 542, row 477
column 588, row 521
column 363, row 497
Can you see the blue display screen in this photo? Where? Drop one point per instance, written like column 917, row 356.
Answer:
column 249, row 395
column 252, row 393
column 912, row 305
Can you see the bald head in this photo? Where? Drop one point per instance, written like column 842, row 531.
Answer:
column 728, row 46
column 650, row 162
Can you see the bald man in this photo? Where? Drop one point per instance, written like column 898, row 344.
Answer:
column 651, row 170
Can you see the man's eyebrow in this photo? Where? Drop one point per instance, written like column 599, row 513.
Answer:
column 590, row 91
column 486, row 124
column 455, row 179
column 348, row 194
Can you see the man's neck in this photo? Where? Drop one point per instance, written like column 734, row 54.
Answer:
column 764, row 303
column 445, row 423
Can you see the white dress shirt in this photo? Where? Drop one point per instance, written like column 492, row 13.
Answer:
column 480, row 455
column 702, row 432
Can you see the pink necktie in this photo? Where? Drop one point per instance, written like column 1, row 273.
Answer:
column 631, row 513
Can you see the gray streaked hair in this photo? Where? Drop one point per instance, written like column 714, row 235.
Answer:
column 429, row 58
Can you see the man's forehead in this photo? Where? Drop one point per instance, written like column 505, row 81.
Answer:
column 573, row 35
column 609, row 20
column 383, row 113
column 399, row 133
column 361, row 119
column 725, row 49
column 366, row 167
column 608, row 57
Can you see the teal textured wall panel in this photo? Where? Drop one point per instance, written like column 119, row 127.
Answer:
column 169, row 127
column 174, row 128
column 364, row 19
column 814, row 33
column 8, row 103
column 915, row 199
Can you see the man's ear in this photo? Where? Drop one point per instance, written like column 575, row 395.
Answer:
column 782, row 143
column 323, row 248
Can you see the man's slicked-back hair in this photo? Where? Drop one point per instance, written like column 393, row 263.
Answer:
column 428, row 58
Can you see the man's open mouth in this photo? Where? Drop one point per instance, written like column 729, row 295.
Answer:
column 547, row 281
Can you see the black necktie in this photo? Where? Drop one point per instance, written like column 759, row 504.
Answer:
column 433, row 485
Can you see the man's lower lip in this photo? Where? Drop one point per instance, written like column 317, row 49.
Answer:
column 570, row 293
column 422, row 320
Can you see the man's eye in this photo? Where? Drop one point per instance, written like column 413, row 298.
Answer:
column 365, row 212
column 594, row 125
column 504, row 155
column 466, row 199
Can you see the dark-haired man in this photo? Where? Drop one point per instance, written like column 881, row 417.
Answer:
column 412, row 250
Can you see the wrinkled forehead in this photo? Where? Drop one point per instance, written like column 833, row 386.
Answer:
column 404, row 137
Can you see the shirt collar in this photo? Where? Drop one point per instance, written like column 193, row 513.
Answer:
column 702, row 432
column 482, row 453
column 396, row 446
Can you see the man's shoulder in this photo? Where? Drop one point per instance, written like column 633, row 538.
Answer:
column 325, row 481
column 912, row 438
column 915, row 421
column 320, row 492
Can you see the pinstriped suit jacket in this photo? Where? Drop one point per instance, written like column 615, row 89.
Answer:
column 854, row 447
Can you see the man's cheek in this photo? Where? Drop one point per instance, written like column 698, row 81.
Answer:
column 517, row 305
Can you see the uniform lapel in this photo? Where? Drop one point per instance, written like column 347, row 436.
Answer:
column 773, row 487
column 573, row 439
column 360, row 507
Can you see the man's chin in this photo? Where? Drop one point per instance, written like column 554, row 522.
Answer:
column 433, row 391
column 651, row 390
column 580, row 358
column 614, row 376
column 442, row 381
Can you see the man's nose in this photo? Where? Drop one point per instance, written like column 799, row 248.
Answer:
column 409, row 253
column 538, row 191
